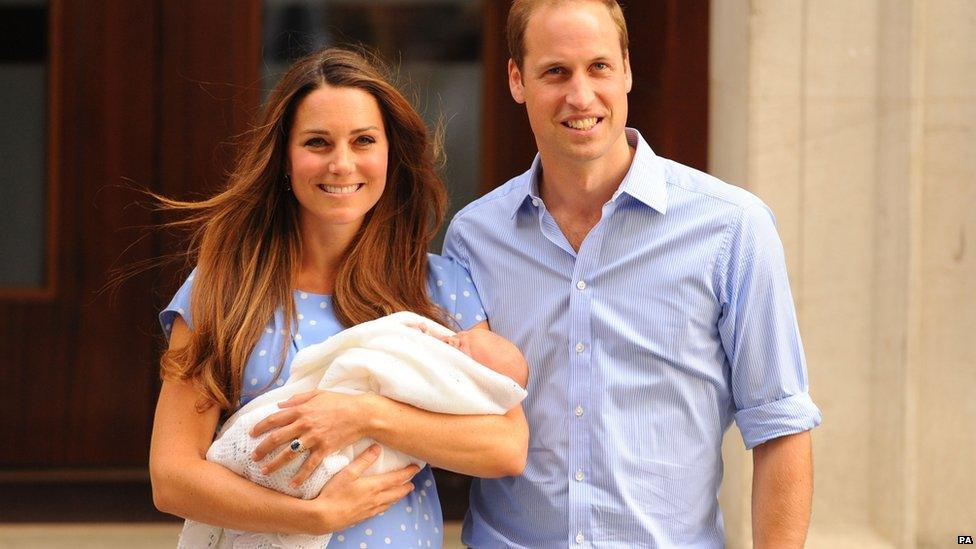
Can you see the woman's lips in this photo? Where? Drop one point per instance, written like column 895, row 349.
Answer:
column 340, row 189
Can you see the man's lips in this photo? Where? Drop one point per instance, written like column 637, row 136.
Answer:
column 583, row 124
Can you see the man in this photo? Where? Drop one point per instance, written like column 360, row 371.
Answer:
column 652, row 304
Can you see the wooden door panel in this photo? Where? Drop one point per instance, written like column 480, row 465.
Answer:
column 80, row 365
column 30, row 419
column 669, row 57
column 111, row 377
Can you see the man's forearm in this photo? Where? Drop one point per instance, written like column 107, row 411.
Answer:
column 782, row 491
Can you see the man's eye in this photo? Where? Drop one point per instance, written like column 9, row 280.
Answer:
column 601, row 66
column 555, row 70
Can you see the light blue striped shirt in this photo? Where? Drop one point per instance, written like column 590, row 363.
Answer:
column 674, row 318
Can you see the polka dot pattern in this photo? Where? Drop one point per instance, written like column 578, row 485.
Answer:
column 416, row 519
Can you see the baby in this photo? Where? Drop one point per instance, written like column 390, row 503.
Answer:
column 404, row 357
column 490, row 350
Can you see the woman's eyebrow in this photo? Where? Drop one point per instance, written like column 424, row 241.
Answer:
column 327, row 132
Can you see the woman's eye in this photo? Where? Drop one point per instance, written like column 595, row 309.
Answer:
column 315, row 142
column 365, row 140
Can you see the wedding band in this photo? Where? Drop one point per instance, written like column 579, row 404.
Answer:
column 297, row 446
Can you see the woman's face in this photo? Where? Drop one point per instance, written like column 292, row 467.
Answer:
column 337, row 156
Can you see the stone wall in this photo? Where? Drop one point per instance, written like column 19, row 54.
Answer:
column 855, row 120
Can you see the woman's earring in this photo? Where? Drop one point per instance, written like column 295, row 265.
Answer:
column 287, row 182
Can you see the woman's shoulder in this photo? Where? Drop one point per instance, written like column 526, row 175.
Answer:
column 451, row 288
column 440, row 262
column 178, row 306
column 444, row 272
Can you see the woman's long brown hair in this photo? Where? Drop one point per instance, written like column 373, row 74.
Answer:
column 247, row 244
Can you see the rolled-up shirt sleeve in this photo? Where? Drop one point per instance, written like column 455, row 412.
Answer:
column 759, row 332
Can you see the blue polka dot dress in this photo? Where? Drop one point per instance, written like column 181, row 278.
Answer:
column 414, row 521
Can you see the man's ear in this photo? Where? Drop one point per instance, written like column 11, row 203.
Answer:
column 515, row 82
column 628, row 74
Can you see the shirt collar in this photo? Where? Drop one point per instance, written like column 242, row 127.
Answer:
column 528, row 187
column 646, row 180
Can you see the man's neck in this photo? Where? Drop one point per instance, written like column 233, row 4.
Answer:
column 574, row 193
column 581, row 188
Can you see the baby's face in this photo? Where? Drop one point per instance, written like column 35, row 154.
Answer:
column 462, row 342
column 481, row 345
column 467, row 342
column 493, row 351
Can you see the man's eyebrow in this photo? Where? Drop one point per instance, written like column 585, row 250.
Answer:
column 547, row 63
column 556, row 62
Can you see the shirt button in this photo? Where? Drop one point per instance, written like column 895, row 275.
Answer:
column 535, row 202
column 581, row 285
column 579, row 476
column 579, row 538
column 579, row 347
column 579, row 411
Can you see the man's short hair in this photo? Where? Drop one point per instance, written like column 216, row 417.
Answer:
column 522, row 10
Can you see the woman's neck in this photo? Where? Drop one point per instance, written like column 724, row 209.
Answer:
column 323, row 249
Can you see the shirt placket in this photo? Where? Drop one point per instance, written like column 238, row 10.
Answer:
column 581, row 416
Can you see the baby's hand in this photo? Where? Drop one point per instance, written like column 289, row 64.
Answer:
column 456, row 341
column 418, row 326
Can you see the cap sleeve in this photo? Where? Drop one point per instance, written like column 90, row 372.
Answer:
column 178, row 306
column 451, row 288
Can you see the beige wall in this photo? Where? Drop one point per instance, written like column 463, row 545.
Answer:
column 855, row 120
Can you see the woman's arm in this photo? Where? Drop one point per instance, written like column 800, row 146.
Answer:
column 484, row 446
column 479, row 445
column 184, row 483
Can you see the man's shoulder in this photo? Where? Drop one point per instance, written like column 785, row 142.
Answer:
column 500, row 201
column 700, row 186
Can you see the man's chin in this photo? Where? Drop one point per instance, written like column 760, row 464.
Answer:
column 589, row 151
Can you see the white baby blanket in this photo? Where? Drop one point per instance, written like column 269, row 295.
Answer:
column 388, row 356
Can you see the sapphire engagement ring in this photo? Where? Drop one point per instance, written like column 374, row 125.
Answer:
column 297, row 446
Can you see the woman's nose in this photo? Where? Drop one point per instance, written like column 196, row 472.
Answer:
column 341, row 163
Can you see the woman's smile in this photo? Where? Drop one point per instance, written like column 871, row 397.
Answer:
column 341, row 190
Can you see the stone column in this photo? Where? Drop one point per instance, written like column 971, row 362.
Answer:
column 854, row 120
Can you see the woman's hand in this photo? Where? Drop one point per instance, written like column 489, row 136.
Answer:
column 324, row 422
column 349, row 498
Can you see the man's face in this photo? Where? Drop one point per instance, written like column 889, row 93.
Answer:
column 574, row 81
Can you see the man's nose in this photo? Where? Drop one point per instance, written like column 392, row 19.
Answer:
column 580, row 93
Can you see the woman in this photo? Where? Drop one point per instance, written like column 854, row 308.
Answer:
column 323, row 225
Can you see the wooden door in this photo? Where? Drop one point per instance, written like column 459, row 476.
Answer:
column 142, row 94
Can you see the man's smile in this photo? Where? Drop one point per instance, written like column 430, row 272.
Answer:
column 582, row 124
